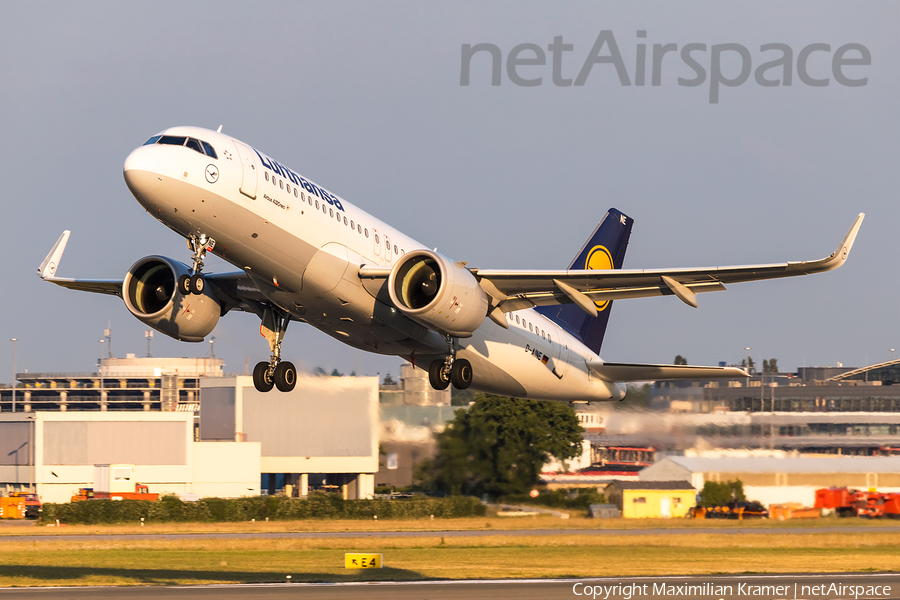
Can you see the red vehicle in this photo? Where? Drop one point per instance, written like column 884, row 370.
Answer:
column 857, row 503
column 33, row 506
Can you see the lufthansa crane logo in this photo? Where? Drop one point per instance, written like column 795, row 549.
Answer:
column 212, row 173
column 599, row 259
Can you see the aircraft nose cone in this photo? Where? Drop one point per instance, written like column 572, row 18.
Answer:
column 142, row 170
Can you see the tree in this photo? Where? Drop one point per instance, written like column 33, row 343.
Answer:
column 388, row 380
column 336, row 373
column 751, row 366
column 770, row 366
column 718, row 493
column 680, row 360
column 499, row 445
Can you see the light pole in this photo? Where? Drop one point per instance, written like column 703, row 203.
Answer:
column 892, row 354
column 149, row 335
column 748, row 360
column 14, row 340
column 100, row 366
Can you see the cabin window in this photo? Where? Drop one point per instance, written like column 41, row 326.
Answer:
column 209, row 150
column 517, row 319
column 172, row 140
column 529, row 327
column 542, row 334
column 352, row 226
column 267, row 175
column 377, row 241
column 295, row 193
column 288, row 188
column 317, row 204
column 548, row 338
column 281, row 184
column 324, row 209
column 152, row 140
column 367, row 232
column 395, row 248
column 345, row 220
column 359, row 229
column 330, row 212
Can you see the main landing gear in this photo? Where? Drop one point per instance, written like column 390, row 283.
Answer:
column 195, row 284
column 275, row 373
column 458, row 371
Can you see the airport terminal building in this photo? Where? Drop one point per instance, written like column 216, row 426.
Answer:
column 185, row 428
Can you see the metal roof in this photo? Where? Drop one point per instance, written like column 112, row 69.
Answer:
column 652, row 485
column 801, row 464
column 890, row 367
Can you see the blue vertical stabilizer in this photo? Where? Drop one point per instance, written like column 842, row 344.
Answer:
column 605, row 249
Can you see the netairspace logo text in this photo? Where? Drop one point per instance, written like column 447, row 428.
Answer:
column 527, row 64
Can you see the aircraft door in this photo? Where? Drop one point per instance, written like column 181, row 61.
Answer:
column 250, row 171
column 562, row 361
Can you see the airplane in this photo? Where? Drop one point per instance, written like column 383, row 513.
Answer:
column 308, row 255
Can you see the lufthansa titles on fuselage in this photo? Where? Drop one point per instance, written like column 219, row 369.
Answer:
column 278, row 169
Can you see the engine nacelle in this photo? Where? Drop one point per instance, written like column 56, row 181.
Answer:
column 150, row 293
column 438, row 294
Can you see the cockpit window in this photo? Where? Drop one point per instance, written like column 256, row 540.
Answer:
column 180, row 140
column 172, row 140
column 209, row 150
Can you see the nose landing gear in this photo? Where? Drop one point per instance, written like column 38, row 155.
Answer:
column 275, row 373
column 195, row 284
column 458, row 371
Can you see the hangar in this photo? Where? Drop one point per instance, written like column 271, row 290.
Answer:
column 55, row 453
column 781, row 479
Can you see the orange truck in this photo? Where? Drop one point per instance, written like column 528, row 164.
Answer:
column 20, row 505
column 856, row 503
column 141, row 492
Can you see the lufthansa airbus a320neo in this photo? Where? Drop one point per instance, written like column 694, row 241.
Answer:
column 306, row 254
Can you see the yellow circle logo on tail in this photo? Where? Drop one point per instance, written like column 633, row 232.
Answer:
column 599, row 259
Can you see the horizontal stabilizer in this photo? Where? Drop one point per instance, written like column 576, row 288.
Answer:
column 636, row 372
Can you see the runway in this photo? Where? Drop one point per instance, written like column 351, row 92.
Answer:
column 450, row 534
column 725, row 587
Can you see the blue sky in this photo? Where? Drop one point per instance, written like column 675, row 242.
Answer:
column 365, row 98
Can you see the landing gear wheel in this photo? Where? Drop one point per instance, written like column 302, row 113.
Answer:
column 197, row 284
column 285, row 376
column 184, row 285
column 436, row 375
column 461, row 374
column 261, row 380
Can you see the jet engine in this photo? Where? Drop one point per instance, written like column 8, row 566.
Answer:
column 151, row 294
column 437, row 293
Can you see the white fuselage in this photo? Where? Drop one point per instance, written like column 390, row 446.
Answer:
column 303, row 247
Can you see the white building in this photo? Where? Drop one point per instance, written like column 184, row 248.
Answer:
column 322, row 435
column 55, row 453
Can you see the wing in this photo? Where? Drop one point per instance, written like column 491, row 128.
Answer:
column 636, row 372
column 515, row 290
column 236, row 291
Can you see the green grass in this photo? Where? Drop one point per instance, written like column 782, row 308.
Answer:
column 148, row 562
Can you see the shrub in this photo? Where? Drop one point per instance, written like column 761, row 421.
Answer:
column 170, row 509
